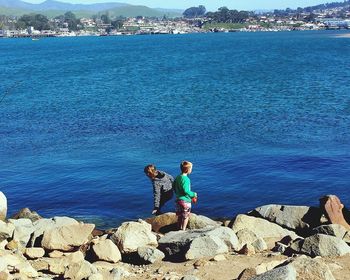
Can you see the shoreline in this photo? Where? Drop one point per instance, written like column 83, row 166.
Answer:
column 293, row 242
column 41, row 36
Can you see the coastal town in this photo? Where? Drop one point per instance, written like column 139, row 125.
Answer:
column 193, row 20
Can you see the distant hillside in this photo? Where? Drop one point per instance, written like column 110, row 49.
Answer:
column 56, row 5
column 12, row 11
column 326, row 6
column 134, row 11
column 51, row 8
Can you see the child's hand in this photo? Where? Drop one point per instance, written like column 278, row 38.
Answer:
column 194, row 200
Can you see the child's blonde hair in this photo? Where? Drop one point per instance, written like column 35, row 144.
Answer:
column 186, row 166
column 151, row 170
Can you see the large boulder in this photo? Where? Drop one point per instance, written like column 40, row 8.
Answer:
column 132, row 235
column 66, row 238
column 281, row 273
column 296, row 218
column 42, row 225
column 106, row 250
column 23, row 230
column 311, row 268
column 148, row 255
column 324, row 245
column 3, row 206
column 261, row 227
column 168, row 222
column 15, row 262
column 79, row 271
column 186, row 245
column 58, row 265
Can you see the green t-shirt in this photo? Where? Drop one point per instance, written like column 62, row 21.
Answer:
column 182, row 188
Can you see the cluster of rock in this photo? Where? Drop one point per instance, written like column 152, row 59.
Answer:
column 32, row 247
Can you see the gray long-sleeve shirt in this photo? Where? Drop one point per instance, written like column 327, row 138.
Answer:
column 162, row 184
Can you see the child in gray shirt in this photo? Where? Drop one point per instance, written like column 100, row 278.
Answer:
column 162, row 187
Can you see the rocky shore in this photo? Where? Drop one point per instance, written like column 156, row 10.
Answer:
column 277, row 242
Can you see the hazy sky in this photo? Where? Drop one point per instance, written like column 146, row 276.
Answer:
column 209, row 4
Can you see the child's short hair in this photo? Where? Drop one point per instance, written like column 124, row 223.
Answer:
column 185, row 166
column 151, row 169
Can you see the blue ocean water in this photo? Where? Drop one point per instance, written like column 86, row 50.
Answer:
column 264, row 117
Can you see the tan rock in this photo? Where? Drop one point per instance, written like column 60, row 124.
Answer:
column 79, row 271
column 34, row 253
column 219, row 258
column 131, row 235
column 262, row 228
column 106, row 250
column 57, row 265
column 12, row 245
column 105, row 266
column 56, row 254
column 66, row 238
column 263, row 267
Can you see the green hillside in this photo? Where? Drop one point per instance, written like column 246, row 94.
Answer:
column 134, row 11
column 13, row 11
column 55, row 13
column 127, row 11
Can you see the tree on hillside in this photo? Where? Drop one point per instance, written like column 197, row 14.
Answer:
column 38, row 21
column 71, row 20
column 194, row 12
column 105, row 19
column 117, row 24
column 228, row 16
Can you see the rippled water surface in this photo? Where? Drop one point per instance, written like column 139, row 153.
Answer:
column 264, row 117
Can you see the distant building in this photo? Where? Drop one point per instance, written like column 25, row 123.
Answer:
column 334, row 23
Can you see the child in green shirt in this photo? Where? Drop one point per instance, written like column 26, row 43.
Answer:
column 184, row 195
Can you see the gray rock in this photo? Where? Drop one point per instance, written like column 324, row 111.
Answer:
column 132, row 235
column 261, row 227
column 246, row 236
column 3, row 206
column 196, row 243
column 259, row 245
column 190, row 277
column 119, row 273
column 311, row 269
column 205, row 246
column 331, row 229
column 324, row 245
column 291, row 217
column 280, row 273
column 150, row 254
column 79, row 271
